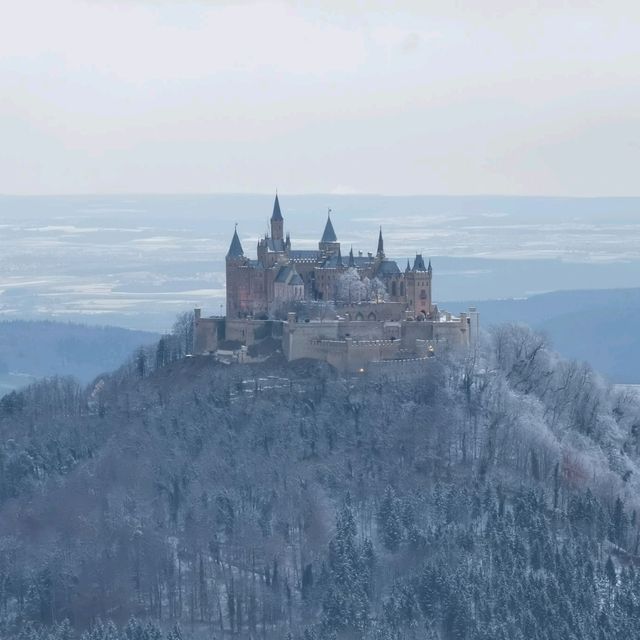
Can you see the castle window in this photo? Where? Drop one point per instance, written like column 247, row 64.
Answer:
column 393, row 289
column 402, row 288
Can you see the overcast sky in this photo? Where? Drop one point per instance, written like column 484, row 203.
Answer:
column 403, row 97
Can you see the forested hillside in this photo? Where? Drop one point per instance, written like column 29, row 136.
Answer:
column 486, row 495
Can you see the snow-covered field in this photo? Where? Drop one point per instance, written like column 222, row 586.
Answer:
column 139, row 260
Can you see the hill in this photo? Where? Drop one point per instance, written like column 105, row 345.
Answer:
column 491, row 494
column 38, row 349
column 597, row 326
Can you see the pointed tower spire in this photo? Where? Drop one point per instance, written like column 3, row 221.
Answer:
column 277, row 221
column 418, row 263
column 235, row 248
column 352, row 262
column 408, row 266
column 277, row 214
column 429, row 269
column 380, row 253
column 339, row 263
column 329, row 234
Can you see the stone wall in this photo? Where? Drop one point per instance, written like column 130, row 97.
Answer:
column 352, row 345
column 207, row 332
column 348, row 345
column 382, row 311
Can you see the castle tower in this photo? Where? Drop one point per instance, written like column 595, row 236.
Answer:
column 237, row 283
column 277, row 221
column 235, row 248
column 329, row 242
column 418, row 287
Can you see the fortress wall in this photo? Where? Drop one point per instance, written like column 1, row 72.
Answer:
column 247, row 331
column 298, row 337
column 205, row 334
column 416, row 330
column 361, row 330
column 454, row 333
column 383, row 311
column 361, row 354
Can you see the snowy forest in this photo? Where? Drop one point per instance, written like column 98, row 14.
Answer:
column 490, row 494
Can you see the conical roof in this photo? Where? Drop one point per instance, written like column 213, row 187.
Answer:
column 418, row 263
column 235, row 248
column 276, row 215
column 329, row 234
column 380, row 244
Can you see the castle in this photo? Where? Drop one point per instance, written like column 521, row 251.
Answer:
column 351, row 311
column 281, row 274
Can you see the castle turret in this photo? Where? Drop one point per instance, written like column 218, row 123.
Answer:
column 352, row 262
column 418, row 263
column 235, row 248
column 418, row 287
column 277, row 221
column 237, row 278
column 380, row 253
column 329, row 242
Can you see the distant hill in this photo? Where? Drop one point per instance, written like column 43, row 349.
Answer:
column 598, row 326
column 37, row 349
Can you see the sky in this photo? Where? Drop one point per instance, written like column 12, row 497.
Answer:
column 339, row 96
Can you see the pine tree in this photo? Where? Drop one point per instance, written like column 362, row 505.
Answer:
column 390, row 519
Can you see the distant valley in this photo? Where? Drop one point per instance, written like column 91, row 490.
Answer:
column 597, row 326
column 30, row 350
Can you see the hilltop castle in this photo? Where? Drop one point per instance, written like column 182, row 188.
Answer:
column 353, row 311
column 281, row 274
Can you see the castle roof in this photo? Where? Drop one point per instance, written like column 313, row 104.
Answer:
column 362, row 262
column 275, row 246
column 288, row 275
column 418, row 263
column 235, row 249
column 303, row 254
column 380, row 244
column 276, row 215
column 329, row 234
column 359, row 262
column 388, row 268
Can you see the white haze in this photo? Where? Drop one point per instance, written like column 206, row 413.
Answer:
column 404, row 97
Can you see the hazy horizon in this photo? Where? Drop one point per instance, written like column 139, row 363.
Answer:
column 137, row 261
